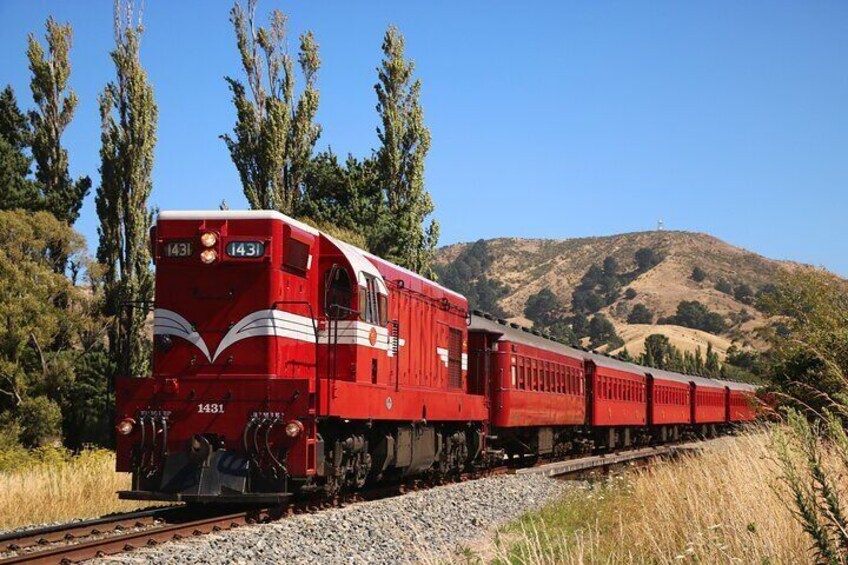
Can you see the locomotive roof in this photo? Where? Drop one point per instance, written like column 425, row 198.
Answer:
column 480, row 323
column 233, row 215
column 360, row 265
column 356, row 256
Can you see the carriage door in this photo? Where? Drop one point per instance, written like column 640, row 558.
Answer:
column 479, row 361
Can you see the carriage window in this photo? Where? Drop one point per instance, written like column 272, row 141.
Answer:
column 521, row 373
column 338, row 293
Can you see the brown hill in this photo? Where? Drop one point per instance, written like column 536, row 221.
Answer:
column 526, row 266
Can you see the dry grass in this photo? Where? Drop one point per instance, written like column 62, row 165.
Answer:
column 724, row 506
column 62, row 489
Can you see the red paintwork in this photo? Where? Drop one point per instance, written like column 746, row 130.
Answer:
column 241, row 398
column 535, row 387
column 709, row 407
column 278, row 366
column 417, row 381
column 742, row 406
column 619, row 398
column 278, row 373
column 670, row 403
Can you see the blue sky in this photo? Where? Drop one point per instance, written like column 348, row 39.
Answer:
column 559, row 119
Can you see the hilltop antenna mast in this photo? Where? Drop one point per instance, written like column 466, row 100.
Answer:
column 660, row 225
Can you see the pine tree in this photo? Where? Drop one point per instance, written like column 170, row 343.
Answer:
column 16, row 190
column 405, row 141
column 275, row 132
column 128, row 116
column 56, row 103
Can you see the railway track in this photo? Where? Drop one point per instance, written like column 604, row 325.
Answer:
column 80, row 541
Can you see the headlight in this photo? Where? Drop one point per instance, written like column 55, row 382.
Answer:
column 208, row 239
column 208, row 256
column 294, row 428
column 125, row 427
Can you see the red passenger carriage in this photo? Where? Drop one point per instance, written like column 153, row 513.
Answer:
column 742, row 402
column 669, row 398
column 709, row 402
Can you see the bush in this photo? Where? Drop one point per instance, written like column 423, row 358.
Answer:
column 586, row 301
column 41, row 421
column 640, row 315
column 467, row 275
column 601, row 331
column 579, row 324
column 693, row 314
column 723, row 286
column 647, row 258
column 743, row 293
column 543, row 307
column 698, row 274
column 630, row 293
column 610, row 267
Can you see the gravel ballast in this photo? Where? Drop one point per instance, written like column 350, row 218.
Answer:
column 404, row 529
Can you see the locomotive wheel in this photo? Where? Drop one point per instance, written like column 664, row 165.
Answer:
column 362, row 469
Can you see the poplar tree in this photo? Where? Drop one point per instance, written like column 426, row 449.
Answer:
column 275, row 133
column 128, row 116
column 405, row 141
column 56, row 104
column 16, row 189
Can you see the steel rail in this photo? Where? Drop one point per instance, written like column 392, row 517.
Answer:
column 21, row 539
column 126, row 542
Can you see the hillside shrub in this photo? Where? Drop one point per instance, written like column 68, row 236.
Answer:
column 602, row 332
column 467, row 275
column 647, row 258
column 723, row 286
column 698, row 274
column 543, row 308
column 743, row 293
column 630, row 293
column 695, row 315
column 640, row 314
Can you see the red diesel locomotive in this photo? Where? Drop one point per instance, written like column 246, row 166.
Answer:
column 285, row 360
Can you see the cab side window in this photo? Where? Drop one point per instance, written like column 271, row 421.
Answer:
column 373, row 306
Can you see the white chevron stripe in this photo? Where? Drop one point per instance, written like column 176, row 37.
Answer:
column 275, row 323
column 168, row 322
column 268, row 323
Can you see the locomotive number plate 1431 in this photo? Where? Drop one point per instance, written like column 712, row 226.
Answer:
column 211, row 408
